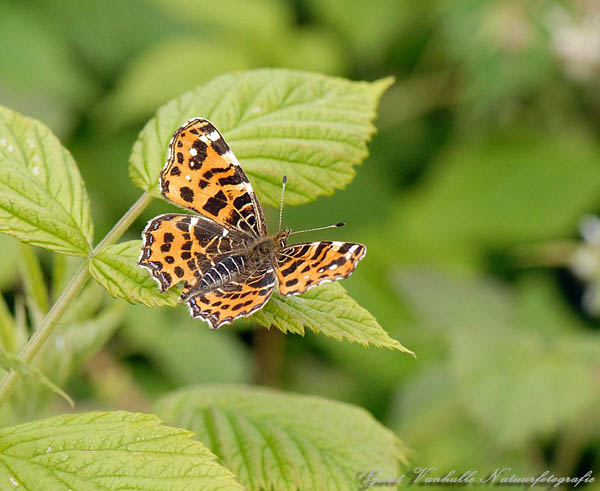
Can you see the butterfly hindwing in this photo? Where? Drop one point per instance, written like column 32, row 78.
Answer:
column 182, row 247
column 302, row 266
column 203, row 175
column 239, row 298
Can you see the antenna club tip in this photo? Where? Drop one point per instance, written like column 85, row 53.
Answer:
column 284, row 179
column 341, row 224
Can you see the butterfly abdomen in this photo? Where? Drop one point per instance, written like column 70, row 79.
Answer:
column 222, row 273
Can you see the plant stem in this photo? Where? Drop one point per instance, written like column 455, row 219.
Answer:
column 39, row 337
column 124, row 223
column 269, row 346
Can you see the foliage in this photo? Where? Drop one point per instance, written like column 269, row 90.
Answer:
column 110, row 450
column 470, row 201
column 9, row 361
column 337, row 115
column 311, row 128
column 42, row 197
column 283, row 441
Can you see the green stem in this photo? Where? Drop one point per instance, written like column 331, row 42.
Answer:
column 124, row 223
column 39, row 337
column 7, row 327
column 269, row 347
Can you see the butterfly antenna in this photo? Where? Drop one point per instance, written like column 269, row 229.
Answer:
column 341, row 224
column 281, row 203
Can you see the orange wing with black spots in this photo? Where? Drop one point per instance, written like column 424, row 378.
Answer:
column 238, row 298
column 203, row 175
column 183, row 247
column 302, row 266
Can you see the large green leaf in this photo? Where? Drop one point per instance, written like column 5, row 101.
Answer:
column 107, row 450
column 10, row 361
column 116, row 269
column 329, row 310
column 274, row 440
column 310, row 127
column 43, row 200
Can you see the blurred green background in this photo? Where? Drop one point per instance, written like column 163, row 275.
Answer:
column 476, row 205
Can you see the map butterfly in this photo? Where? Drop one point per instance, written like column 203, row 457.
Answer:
column 229, row 264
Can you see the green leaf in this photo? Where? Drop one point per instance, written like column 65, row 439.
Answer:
column 7, row 328
column 10, row 361
column 9, row 262
column 43, row 200
column 116, row 269
column 274, row 440
column 36, row 292
column 107, row 450
column 327, row 309
column 310, row 127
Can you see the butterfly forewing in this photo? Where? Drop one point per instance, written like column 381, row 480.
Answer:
column 202, row 174
column 182, row 247
column 236, row 299
column 302, row 266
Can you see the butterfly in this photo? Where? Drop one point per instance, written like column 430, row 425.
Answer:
column 229, row 264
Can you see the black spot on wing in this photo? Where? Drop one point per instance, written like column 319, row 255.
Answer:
column 187, row 194
column 292, row 267
column 242, row 201
column 216, row 170
column 301, row 251
column 200, row 148
column 345, row 248
column 214, row 205
column 220, row 146
column 320, row 248
column 229, row 180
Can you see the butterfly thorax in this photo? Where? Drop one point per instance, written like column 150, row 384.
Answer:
column 268, row 247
